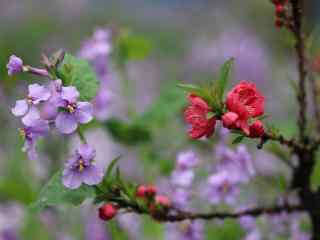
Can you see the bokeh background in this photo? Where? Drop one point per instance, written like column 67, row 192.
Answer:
column 188, row 40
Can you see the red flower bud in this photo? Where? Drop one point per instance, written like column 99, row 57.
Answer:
column 279, row 23
column 279, row 9
column 229, row 120
column 163, row 201
column 107, row 211
column 141, row 191
column 150, row 191
column 256, row 129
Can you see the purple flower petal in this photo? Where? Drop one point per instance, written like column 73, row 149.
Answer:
column 38, row 93
column 70, row 94
column 15, row 65
column 21, row 108
column 31, row 116
column 86, row 152
column 92, row 175
column 71, row 179
column 84, row 112
column 66, row 123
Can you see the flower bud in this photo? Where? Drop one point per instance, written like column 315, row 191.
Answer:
column 141, row 191
column 256, row 129
column 15, row 65
column 107, row 211
column 279, row 9
column 151, row 191
column 163, row 201
column 229, row 120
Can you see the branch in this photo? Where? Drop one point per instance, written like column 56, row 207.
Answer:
column 291, row 143
column 297, row 31
column 181, row 215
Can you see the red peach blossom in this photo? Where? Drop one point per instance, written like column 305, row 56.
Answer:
column 107, row 211
column 229, row 120
column 246, row 101
column 256, row 129
column 197, row 116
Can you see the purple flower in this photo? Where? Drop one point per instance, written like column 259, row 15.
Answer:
column 182, row 178
column 253, row 235
column 185, row 230
column 33, row 129
column 187, row 160
column 97, row 51
column 36, row 95
column 15, row 65
column 72, row 112
column 237, row 163
column 222, row 187
column 49, row 109
column 95, row 229
column 81, row 168
column 101, row 102
column 98, row 45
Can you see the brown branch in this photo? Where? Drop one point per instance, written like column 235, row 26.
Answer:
column 300, row 45
column 181, row 215
column 291, row 143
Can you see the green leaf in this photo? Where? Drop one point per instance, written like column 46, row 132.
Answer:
column 223, row 78
column 315, row 177
column 190, row 88
column 129, row 134
column 77, row 72
column 131, row 47
column 54, row 193
column 238, row 139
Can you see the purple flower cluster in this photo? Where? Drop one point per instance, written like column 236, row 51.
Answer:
column 50, row 104
column 57, row 105
column 234, row 168
column 97, row 51
column 181, row 180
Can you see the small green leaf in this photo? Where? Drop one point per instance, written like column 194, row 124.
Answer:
column 238, row 139
column 54, row 193
column 210, row 115
column 129, row 134
column 223, row 78
column 315, row 177
column 77, row 72
column 131, row 47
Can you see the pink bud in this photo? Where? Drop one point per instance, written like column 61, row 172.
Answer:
column 229, row 120
column 163, row 201
column 141, row 191
column 107, row 211
column 256, row 129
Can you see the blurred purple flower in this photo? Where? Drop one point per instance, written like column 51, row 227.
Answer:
column 131, row 224
column 95, row 229
column 186, row 230
column 73, row 112
column 187, row 160
column 251, row 59
column 237, row 163
column 33, row 129
column 36, row 94
column 81, row 168
column 222, row 187
column 97, row 51
column 15, row 65
column 11, row 217
column 253, row 235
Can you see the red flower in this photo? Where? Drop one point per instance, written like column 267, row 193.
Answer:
column 197, row 116
column 163, row 201
column 107, row 211
column 247, row 102
column 257, row 129
column 141, row 191
column 229, row 120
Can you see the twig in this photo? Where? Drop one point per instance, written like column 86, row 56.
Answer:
column 181, row 215
column 297, row 31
